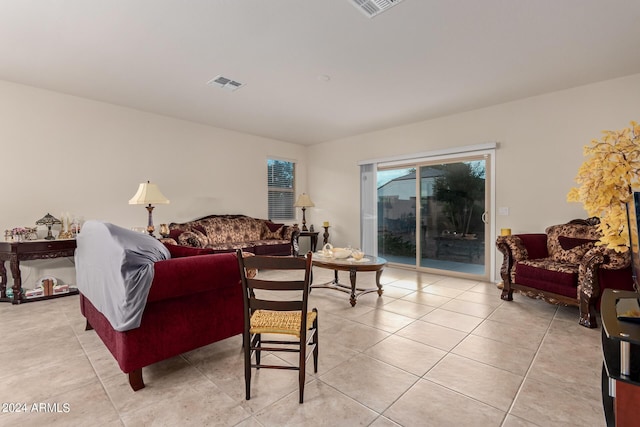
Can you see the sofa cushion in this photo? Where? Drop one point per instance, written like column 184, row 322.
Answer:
column 287, row 234
column 176, row 229
column 572, row 249
column 575, row 231
column 175, row 232
column 557, row 278
column 548, row 275
column 193, row 238
column 272, row 247
column 232, row 229
column 272, row 226
column 271, row 231
column 532, row 246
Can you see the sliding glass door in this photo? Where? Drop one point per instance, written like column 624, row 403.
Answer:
column 452, row 216
column 397, row 215
column 433, row 215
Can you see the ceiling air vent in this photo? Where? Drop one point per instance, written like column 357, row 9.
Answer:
column 225, row 83
column 372, row 8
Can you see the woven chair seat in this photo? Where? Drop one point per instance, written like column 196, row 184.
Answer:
column 279, row 322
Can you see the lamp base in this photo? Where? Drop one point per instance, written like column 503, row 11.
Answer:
column 49, row 235
column 304, row 220
column 150, row 227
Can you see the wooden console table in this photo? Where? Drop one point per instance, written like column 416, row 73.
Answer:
column 14, row 252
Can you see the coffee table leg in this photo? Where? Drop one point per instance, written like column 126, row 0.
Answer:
column 378, row 274
column 352, row 278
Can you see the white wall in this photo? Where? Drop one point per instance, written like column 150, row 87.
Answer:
column 67, row 154
column 540, row 140
column 63, row 153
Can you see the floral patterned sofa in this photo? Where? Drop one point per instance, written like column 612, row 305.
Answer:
column 226, row 233
column 564, row 266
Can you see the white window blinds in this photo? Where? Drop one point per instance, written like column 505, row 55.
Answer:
column 281, row 184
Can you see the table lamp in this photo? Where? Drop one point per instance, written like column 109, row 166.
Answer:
column 304, row 202
column 48, row 220
column 148, row 194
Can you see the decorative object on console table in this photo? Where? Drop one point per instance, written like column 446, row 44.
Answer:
column 65, row 228
column 325, row 236
column 304, row 202
column 76, row 225
column 48, row 220
column 148, row 194
column 18, row 234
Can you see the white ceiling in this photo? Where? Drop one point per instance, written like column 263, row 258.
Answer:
column 420, row 59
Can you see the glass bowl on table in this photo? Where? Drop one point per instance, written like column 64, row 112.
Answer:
column 357, row 254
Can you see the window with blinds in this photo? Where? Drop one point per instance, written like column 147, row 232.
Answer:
column 281, row 184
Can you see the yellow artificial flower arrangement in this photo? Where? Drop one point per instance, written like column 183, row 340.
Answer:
column 606, row 180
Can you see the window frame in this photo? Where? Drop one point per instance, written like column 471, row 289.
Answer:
column 283, row 209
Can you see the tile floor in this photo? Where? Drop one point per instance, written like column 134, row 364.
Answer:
column 432, row 351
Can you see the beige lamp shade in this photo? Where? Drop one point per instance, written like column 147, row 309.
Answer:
column 304, row 201
column 148, row 194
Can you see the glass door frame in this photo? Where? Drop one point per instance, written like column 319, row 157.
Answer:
column 487, row 217
column 369, row 221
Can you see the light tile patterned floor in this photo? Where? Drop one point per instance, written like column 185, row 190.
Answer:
column 432, row 351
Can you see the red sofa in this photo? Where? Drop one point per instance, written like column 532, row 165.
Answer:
column 195, row 299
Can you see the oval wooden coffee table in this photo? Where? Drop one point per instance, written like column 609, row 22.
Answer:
column 368, row 263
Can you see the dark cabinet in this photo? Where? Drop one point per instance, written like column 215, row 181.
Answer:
column 621, row 353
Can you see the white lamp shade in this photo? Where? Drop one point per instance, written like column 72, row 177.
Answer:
column 304, row 201
column 148, row 194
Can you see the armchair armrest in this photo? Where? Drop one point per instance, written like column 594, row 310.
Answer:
column 599, row 257
column 295, row 245
column 188, row 275
column 518, row 247
column 613, row 260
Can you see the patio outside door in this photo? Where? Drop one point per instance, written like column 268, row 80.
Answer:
column 436, row 221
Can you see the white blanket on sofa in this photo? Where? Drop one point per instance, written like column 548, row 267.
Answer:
column 114, row 270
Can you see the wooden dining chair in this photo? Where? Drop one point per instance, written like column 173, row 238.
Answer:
column 277, row 308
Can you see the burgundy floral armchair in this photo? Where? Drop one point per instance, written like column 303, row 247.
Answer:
column 563, row 266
